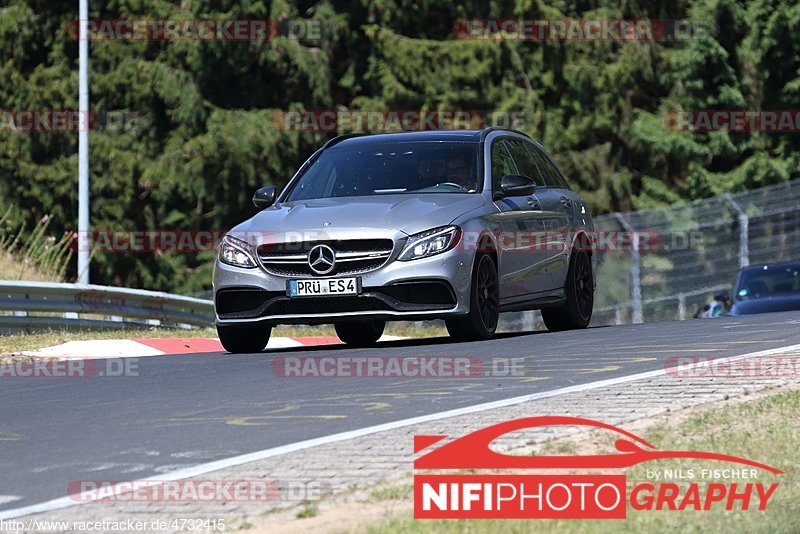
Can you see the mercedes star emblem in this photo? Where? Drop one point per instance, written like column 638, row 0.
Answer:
column 322, row 259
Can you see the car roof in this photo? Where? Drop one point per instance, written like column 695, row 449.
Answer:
column 466, row 136
column 760, row 266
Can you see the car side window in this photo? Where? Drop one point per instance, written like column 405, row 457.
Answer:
column 524, row 160
column 502, row 163
column 550, row 172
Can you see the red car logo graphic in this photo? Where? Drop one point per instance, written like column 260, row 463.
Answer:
column 472, row 451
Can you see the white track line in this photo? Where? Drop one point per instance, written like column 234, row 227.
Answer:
column 202, row 469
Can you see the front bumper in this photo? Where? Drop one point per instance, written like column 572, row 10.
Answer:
column 427, row 288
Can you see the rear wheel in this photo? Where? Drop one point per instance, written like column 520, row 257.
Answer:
column 240, row 339
column 360, row 333
column 484, row 307
column 576, row 312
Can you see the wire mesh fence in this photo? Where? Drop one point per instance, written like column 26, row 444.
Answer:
column 693, row 250
column 686, row 253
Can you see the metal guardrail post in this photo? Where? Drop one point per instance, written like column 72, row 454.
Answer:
column 681, row 306
column 636, row 270
column 744, row 226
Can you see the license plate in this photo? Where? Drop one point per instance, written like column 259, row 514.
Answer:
column 330, row 286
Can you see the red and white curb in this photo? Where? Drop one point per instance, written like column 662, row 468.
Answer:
column 137, row 348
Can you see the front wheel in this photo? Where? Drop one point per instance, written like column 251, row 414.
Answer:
column 240, row 339
column 576, row 312
column 360, row 333
column 484, row 306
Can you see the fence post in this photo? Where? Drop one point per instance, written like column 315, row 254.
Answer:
column 681, row 306
column 617, row 315
column 636, row 269
column 744, row 224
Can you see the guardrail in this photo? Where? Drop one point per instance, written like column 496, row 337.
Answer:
column 45, row 304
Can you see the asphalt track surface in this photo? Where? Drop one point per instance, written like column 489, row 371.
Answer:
column 185, row 410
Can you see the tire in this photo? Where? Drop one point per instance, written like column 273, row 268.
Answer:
column 484, row 304
column 239, row 339
column 576, row 311
column 360, row 333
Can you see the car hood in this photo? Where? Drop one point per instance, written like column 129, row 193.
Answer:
column 407, row 213
column 777, row 303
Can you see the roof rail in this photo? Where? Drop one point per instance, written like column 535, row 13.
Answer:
column 339, row 138
column 490, row 129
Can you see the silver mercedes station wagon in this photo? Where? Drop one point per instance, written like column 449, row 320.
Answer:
column 454, row 225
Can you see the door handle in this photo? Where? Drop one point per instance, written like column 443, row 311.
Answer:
column 534, row 203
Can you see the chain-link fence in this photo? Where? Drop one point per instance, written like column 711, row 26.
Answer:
column 685, row 253
column 689, row 251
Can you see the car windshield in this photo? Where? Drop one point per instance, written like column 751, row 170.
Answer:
column 396, row 168
column 768, row 281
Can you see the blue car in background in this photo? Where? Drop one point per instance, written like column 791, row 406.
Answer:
column 765, row 288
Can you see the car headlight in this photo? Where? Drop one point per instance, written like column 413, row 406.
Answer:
column 235, row 252
column 430, row 243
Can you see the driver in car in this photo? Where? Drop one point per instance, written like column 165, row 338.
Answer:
column 459, row 172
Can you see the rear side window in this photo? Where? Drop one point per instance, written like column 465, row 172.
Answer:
column 524, row 160
column 550, row 173
column 502, row 163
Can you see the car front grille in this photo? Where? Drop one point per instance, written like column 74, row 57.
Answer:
column 353, row 256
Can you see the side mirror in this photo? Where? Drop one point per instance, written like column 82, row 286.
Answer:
column 516, row 185
column 265, row 197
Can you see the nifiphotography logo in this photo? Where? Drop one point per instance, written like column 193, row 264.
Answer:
column 571, row 495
